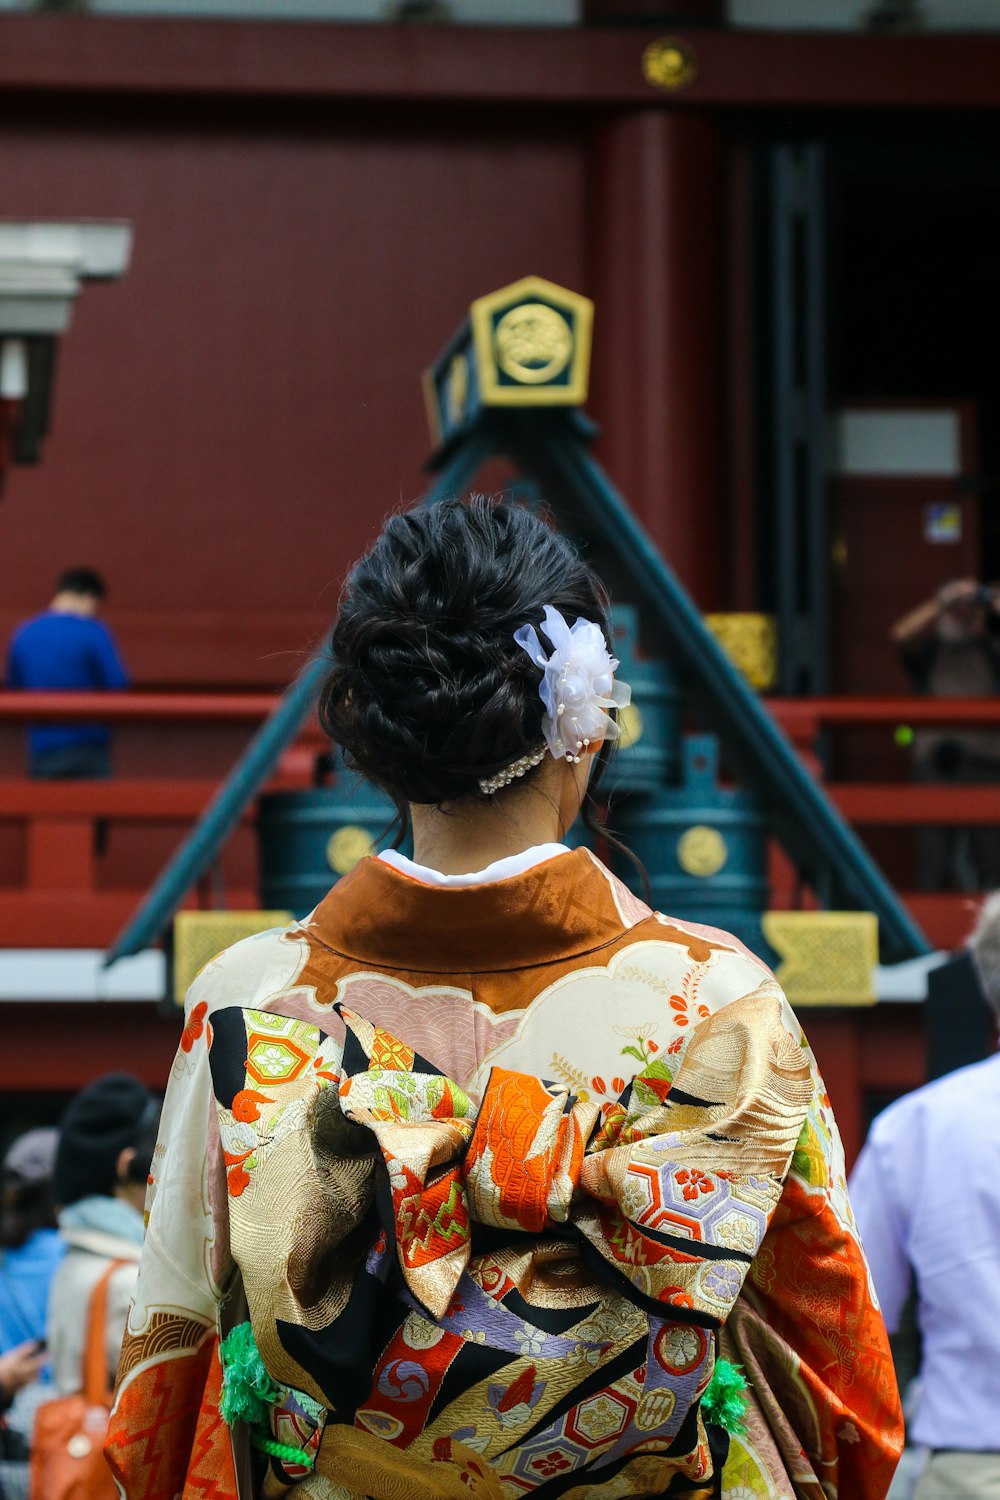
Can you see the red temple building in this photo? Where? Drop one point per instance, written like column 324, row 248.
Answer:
column 791, row 241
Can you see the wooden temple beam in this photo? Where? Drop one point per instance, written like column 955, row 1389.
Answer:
column 598, row 65
column 73, row 1045
column 136, row 707
column 654, row 12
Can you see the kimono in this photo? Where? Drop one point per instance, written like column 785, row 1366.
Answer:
column 496, row 1175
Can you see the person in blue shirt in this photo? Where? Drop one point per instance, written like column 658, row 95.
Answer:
column 31, row 1249
column 69, row 649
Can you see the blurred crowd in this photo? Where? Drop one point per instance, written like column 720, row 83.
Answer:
column 71, row 1220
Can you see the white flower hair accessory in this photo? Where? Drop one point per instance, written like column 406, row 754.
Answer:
column 577, row 685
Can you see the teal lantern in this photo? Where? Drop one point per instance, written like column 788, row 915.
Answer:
column 646, row 755
column 309, row 839
column 704, row 847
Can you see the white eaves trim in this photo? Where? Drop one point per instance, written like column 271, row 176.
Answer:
column 76, row 974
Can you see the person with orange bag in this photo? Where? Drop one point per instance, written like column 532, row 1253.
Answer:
column 106, row 1142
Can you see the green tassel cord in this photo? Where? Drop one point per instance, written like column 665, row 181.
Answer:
column 248, row 1393
column 283, row 1451
column 725, row 1401
column 247, row 1389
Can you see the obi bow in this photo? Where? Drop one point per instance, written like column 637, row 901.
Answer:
column 668, row 1190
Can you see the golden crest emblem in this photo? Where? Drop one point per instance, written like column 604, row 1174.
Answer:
column 531, row 344
column 347, row 847
column 669, row 63
column 702, row 851
column 534, row 343
column 527, row 344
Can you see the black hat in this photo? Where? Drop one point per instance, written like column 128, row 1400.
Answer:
column 99, row 1123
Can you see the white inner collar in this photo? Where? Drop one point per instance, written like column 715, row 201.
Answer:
column 500, row 869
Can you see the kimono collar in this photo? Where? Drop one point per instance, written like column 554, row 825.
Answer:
column 564, row 907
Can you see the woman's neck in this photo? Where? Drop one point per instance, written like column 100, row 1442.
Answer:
column 460, row 841
column 469, row 835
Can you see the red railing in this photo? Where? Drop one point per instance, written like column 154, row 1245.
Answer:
column 83, row 852
column 79, row 855
column 136, row 708
column 898, row 804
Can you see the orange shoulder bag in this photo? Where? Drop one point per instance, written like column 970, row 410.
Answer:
column 67, row 1449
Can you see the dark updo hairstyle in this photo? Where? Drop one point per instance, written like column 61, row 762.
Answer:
column 429, row 693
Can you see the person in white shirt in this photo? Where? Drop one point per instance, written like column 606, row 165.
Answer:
column 926, row 1194
column 106, row 1142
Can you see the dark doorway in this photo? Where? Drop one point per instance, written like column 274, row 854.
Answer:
column 903, row 236
column 913, row 319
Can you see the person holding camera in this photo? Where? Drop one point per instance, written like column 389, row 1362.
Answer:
column 947, row 649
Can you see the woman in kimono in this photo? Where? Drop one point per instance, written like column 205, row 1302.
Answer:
column 485, row 1179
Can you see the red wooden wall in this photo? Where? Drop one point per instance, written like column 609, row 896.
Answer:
column 314, row 208
column 234, row 418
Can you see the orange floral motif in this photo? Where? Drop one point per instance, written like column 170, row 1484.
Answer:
column 679, row 1005
column 237, row 1176
column 246, row 1105
column 694, row 1182
column 444, row 1109
column 614, row 1129
column 238, row 1179
column 195, row 1026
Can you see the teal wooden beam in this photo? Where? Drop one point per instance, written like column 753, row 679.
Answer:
column 554, row 446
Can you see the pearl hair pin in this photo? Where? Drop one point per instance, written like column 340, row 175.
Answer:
column 491, row 784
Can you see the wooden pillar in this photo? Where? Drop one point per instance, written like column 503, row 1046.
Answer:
column 657, row 219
